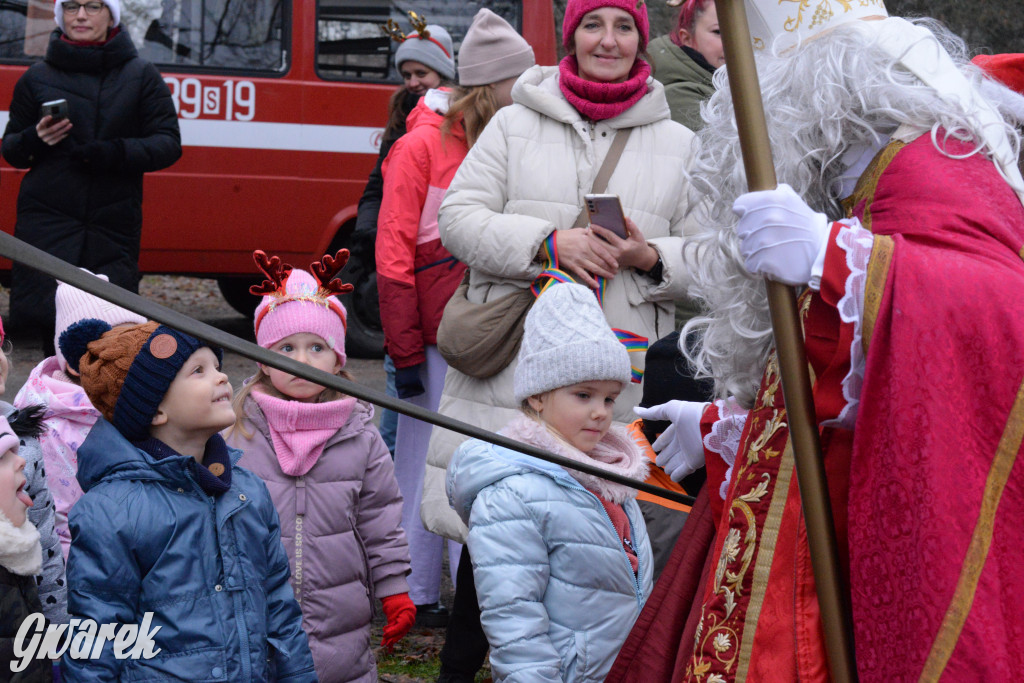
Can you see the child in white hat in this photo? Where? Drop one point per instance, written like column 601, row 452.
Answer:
column 561, row 559
column 69, row 415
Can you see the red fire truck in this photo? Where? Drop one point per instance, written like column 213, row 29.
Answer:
column 281, row 105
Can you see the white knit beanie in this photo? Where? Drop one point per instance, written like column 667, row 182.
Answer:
column 113, row 5
column 566, row 340
column 74, row 305
column 492, row 51
column 433, row 49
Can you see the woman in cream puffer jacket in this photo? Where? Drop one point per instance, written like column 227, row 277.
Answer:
column 525, row 178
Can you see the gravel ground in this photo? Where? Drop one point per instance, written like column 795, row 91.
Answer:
column 197, row 297
column 415, row 658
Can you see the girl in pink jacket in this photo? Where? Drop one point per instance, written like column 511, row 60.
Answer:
column 415, row 273
column 328, row 471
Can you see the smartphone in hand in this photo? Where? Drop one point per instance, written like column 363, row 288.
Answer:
column 606, row 210
column 55, row 109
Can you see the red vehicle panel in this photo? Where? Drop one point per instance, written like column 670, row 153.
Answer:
column 281, row 116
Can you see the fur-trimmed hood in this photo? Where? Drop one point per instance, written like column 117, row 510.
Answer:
column 476, row 465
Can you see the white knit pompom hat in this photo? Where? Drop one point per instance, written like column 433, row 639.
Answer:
column 566, row 340
column 113, row 5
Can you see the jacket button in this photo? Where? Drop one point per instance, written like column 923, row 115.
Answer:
column 181, row 490
column 218, row 588
column 216, row 672
column 241, row 497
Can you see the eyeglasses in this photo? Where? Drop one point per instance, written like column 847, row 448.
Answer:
column 91, row 8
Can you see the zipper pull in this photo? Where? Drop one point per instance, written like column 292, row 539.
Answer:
column 593, row 126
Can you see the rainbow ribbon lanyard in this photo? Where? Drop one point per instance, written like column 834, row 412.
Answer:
column 553, row 275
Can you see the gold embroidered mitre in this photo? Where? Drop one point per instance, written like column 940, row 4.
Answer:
column 782, row 24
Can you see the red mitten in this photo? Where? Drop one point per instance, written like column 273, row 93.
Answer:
column 401, row 614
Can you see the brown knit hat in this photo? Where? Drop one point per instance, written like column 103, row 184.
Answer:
column 105, row 366
column 126, row 371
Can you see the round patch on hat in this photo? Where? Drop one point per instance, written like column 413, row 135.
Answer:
column 163, row 346
column 216, row 469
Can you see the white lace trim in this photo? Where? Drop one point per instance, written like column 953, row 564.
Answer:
column 857, row 242
column 724, row 437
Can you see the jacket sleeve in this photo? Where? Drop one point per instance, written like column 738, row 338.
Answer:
column 104, row 580
column 369, row 203
column 289, row 645
column 684, row 100
column 159, row 146
column 21, row 145
column 472, row 224
column 51, row 581
column 379, row 522
column 511, row 571
column 406, row 181
column 676, row 277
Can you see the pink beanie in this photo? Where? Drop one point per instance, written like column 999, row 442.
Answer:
column 295, row 301
column 492, row 51
column 8, row 440
column 576, row 9
column 74, row 305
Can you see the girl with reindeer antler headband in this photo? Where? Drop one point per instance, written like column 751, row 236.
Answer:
column 329, row 473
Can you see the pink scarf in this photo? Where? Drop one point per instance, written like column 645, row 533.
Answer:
column 299, row 431
column 617, row 452
column 600, row 101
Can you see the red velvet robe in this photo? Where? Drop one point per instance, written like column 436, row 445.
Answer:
column 926, row 491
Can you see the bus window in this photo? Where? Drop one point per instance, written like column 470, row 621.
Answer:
column 242, row 35
column 224, row 34
column 351, row 45
column 25, row 27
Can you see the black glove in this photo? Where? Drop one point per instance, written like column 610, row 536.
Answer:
column 99, row 155
column 407, row 382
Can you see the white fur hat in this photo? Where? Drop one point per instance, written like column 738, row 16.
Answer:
column 566, row 340
column 113, row 5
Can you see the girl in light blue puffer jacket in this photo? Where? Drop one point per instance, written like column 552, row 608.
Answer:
column 561, row 559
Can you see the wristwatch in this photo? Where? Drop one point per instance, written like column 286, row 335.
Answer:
column 656, row 271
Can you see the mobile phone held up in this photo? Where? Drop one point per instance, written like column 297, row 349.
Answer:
column 606, row 210
column 55, row 109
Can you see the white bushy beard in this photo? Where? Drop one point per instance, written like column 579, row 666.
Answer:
column 835, row 94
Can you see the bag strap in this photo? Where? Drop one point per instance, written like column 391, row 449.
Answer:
column 604, row 174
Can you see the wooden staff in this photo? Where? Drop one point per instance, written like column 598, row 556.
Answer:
column 789, row 345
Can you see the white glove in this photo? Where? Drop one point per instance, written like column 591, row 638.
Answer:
column 780, row 236
column 680, row 448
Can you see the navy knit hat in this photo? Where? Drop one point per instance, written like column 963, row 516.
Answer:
column 126, row 371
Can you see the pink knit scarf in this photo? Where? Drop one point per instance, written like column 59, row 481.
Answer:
column 600, row 101
column 299, row 431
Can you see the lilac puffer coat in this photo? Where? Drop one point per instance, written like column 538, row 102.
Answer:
column 340, row 525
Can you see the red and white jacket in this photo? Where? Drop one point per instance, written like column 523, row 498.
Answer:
column 415, row 274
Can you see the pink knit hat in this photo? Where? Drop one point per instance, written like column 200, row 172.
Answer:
column 576, row 9
column 492, row 51
column 8, row 440
column 295, row 301
column 73, row 305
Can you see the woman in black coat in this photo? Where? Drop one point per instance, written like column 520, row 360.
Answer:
column 82, row 197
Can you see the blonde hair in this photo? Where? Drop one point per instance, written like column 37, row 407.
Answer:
column 475, row 105
column 262, row 379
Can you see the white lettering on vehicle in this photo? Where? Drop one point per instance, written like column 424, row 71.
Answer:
column 82, row 639
column 193, row 99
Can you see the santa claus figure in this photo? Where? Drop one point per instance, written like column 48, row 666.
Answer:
column 899, row 217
